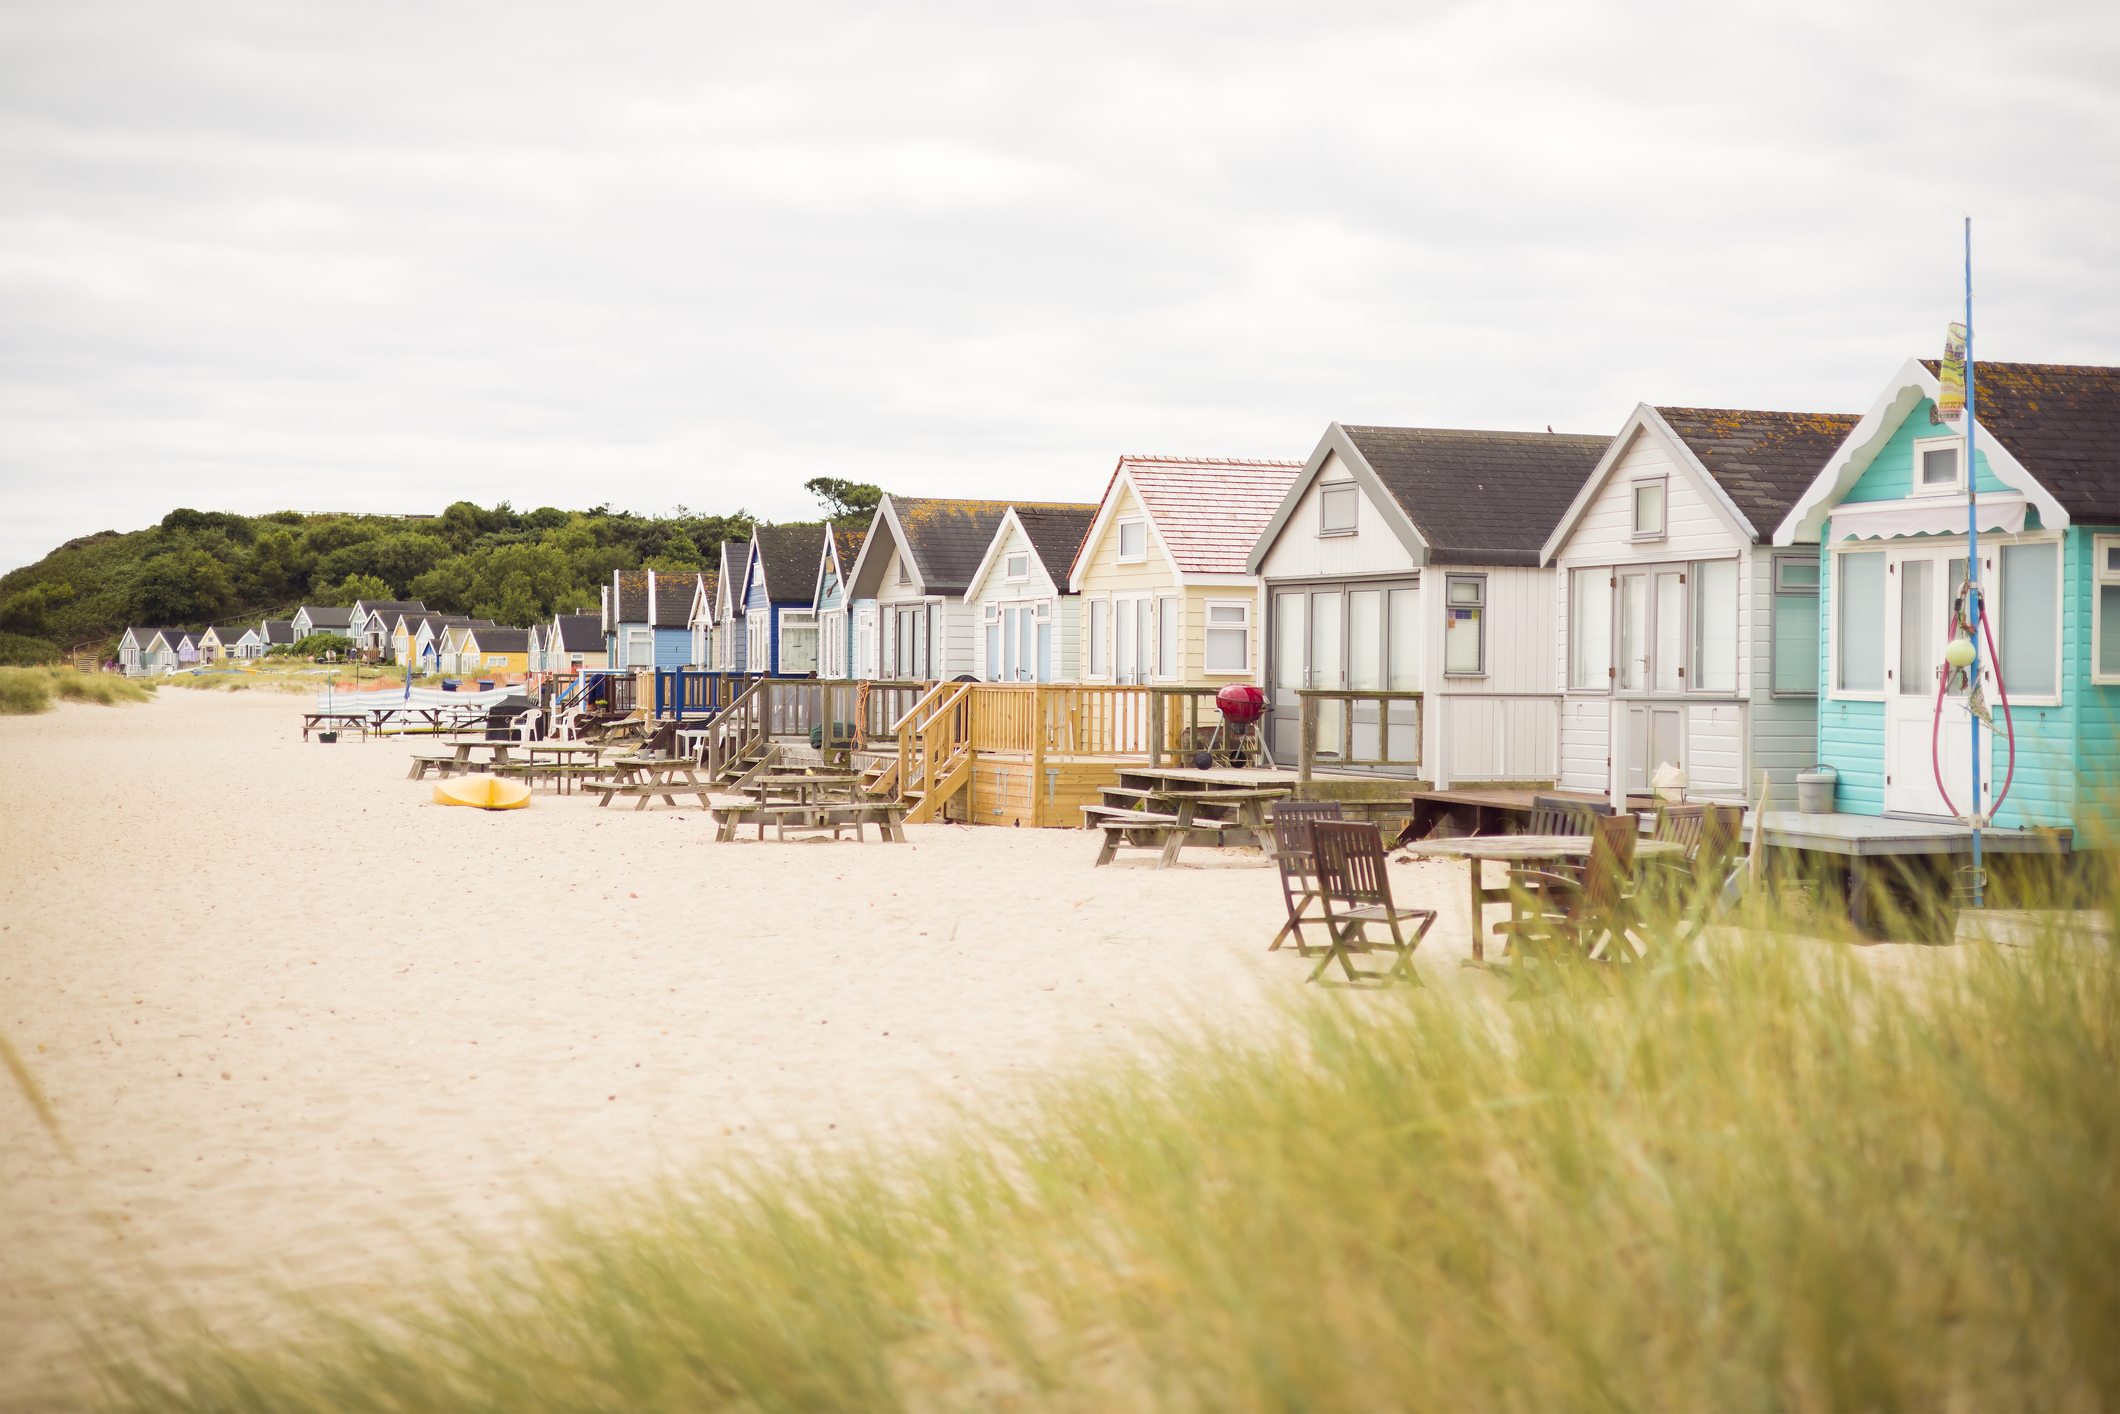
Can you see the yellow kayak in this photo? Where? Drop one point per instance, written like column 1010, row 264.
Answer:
column 486, row 792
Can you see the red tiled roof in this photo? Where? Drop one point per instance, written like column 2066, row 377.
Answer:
column 1208, row 510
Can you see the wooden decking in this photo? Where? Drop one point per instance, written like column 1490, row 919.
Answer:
column 1449, row 813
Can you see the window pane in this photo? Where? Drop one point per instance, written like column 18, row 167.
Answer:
column 1920, row 628
column 1336, row 508
column 1365, row 639
column 1670, row 631
column 1715, row 626
column 1123, row 640
column 1798, row 574
column 1045, row 651
column 1590, row 633
column 1939, row 467
column 1796, row 643
column 1288, row 641
column 2031, row 605
column 1633, row 632
column 1405, row 640
column 1143, row 637
column 1096, row 638
column 1858, row 627
column 1167, row 638
column 1226, row 650
column 1133, row 539
column 1325, row 641
column 1649, row 508
column 1027, row 655
column 2108, row 628
column 1226, row 614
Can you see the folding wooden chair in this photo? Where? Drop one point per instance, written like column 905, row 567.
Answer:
column 1550, row 815
column 1292, row 820
column 1590, row 917
column 1355, row 891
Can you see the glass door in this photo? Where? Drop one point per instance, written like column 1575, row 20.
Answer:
column 1920, row 586
column 1362, row 637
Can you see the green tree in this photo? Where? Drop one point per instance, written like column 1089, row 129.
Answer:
column 276, row 569
column 678, row 553
column 397, row 560
column 848, row 503
column 181, row 586
column 353, row 588
column 30, row 611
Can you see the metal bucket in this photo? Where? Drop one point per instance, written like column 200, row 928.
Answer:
column 1814, row 790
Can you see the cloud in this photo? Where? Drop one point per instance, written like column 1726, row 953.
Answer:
column 389, row 256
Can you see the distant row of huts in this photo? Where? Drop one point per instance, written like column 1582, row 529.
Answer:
column 1730, row 591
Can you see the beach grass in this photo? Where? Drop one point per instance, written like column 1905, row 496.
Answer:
column 1756, row 1172
column 26, row 691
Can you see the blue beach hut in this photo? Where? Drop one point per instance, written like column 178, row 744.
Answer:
column 1888, row 512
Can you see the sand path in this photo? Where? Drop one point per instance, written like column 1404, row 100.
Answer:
column 299, row 1023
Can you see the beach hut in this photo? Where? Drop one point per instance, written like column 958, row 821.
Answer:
column 186, row 643
column 141, row 651
column 322, row 618
column 1030, row 627
column 248, row 645
column 537, row 647
column 915, row 563
column 840, row 617
column 492, row 649
column 208, row 641
column 1888, row 511
column 423, row 635
column 699, row 619
column 1686, row 638
column 276, row 633
column 780, row 587
column 1406, row 560
column 647, row 618
column 371, row 623
column 1166, row 597
column 453, row 647
column 573, row 643
column 718, row 610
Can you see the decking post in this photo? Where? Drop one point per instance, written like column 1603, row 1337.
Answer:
column 1038, row 808
column 1155, row 727
column 1309, row 750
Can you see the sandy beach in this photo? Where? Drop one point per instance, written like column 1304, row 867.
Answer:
column 300, row 1024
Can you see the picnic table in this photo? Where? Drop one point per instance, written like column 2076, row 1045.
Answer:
column 1159, row 808
column 887, row 815
column 334, row 721
column 645, row 777
column 802, row 789
column 1521, row 849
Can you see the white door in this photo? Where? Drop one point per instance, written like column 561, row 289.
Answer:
column 1920, row 585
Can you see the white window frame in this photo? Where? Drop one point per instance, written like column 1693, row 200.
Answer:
column 1096, row 638
column 1354, row 520
column 1129, row 604
column 1829, row 626
column 2103, row 549
column 1606, row 687
column 1177, row 643
column 1015, row 566
column 1119, row 529
column 990, row 639
column 1483, row 605
column 1994, row 589
column 1634, row 512
column 496, row 660
column 1210, row 628
column 633, row 636
column 1923, row 445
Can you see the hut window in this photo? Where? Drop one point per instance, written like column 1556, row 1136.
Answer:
column 1464, row 624
column 2030, row 626
column 1133, row 540
column 1858, row 623
column 1166, row 638
column 1795, row 647
column 1337, row 508
column 1936, row 466
column 1228, row 638
column 1099, row 629
column 2105, row 610
column 1019, row 567
column 991, row 617
column 1590, row 630
column 1649, row 507
column 1714, row 585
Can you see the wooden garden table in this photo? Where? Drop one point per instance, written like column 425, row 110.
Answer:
column 334, row 721
column 1521, row 849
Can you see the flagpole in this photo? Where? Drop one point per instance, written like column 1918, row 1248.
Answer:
column 1972, row 565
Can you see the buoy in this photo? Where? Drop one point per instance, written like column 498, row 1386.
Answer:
column 485, row 792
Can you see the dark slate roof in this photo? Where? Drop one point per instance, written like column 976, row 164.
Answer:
column 1480, row 498
column 673, row 597
column 580, row 633
column 502, row 640
column 323, row 616
column 789, row 554
column 1056, row 532
column 144, row 634
column 277, row 630
column 734, row 555
column 848, row 544
column 948, row 539
column 1764, row 461
column 2062, row 421
column 394, row 606
column 632, row 596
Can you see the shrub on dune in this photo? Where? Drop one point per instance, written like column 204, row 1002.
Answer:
column 24, row 691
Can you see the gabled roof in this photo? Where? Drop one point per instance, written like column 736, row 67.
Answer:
column 579, row 633
column 1206, row 511
column 629, row 591
column 491, row 639
column 143, row 635
column 1751, row 465
column 2062, row 422
column 324, row 616
column 787, row 560
column 729, row 585
column 277, row 631
column 393, row 606
column 943, row 540
column 1054, row 533
column 673, row 597
column 2045, row 429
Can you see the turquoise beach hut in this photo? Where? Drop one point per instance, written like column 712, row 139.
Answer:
column 1888, row 512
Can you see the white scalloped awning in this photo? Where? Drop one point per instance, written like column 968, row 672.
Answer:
column 1942, row 515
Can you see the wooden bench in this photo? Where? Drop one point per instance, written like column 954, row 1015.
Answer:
column 421, row 761
column 1149, row 829
column 560, row 773
column 643, row 792
column 887, row 815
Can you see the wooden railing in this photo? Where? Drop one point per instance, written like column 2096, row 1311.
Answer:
column 938, row 726
column 693, row 692
column 1334, row 735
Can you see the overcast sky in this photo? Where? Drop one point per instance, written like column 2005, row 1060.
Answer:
column 385, row 256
